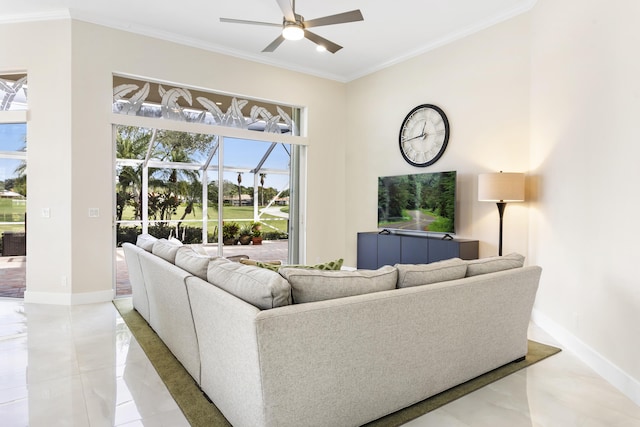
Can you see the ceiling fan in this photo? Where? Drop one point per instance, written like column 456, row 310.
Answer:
column 294, row 27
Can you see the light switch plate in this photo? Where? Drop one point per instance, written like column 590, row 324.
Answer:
column 94, row 212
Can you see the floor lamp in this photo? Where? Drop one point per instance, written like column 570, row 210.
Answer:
column 501, row 188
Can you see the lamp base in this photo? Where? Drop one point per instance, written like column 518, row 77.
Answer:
column 501, row 206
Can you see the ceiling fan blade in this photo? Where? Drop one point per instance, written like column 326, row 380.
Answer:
column 340, row 18
column 242, row 21
column 287, row 10
column 274, row 44
column 329, row 45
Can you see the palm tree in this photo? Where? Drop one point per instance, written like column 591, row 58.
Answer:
column 176, row 183
column 263, row 176
column 20, row 182
column 239, row 189
column 131, row 143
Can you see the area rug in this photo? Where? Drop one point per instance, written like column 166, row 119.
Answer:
column 199, row 410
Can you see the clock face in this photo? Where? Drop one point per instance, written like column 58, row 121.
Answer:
column 424, row 135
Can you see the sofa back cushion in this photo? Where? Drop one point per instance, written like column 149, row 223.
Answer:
column 258, row 286
column 191, row 261
column 426, row 274
column 166, row 250
column 317, row 285
column 145, row 241
column 492, row 264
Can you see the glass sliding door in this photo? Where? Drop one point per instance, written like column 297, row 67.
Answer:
column 256, row 188
column 229, row 195
column 13, row 208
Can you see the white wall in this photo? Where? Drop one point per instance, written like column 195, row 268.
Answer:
column 554, row 93
column 482, row 84
column 70, row 158
column 585, row 104
column 44, row 50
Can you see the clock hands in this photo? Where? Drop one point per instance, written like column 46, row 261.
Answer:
column 422, row 135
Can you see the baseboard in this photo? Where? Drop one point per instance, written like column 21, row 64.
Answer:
column 62, row 298
column 605, row 368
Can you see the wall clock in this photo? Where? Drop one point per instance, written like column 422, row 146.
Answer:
column 424, row 135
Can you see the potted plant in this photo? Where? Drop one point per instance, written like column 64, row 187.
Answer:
column 230, row 232
column 245, row 234
column 256, row 233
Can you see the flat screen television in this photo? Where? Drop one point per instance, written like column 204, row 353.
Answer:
column 424, row 202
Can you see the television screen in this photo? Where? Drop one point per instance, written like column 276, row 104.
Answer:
column 423, row 202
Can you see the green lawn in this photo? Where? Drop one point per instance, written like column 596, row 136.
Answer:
column 12, row 212
column 241, row 214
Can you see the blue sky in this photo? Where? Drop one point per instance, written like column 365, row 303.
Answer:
column 12, row 136
column 246, row 153
column 11, row 139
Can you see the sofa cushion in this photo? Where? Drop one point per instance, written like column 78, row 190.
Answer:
column 166, row 250
column 193, row 262
column 425, row 274
column 175, row 241
column 258, row 286
column 146, row 241
column 199, row 249
column 492, row 264
column 309, row 285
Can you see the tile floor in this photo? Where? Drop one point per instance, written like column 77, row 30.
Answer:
column 80, row 366
column 76, row 366
column 13, row 276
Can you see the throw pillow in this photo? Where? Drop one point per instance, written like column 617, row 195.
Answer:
column 258, row 286
column 145, row 241
column 165, row 250
column 425, row 274
column 309, row 285
column 199, row 249
column 273, row 265
column 492, row 264
column 331, row 265
column 189, row 260
column 175, row 241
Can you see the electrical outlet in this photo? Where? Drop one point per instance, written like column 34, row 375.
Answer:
column 46, row 212
column 94, row 212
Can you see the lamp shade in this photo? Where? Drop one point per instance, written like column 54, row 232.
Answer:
column 501, row 187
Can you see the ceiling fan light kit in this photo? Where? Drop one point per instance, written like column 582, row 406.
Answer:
column 294, row 27
column 292, row 31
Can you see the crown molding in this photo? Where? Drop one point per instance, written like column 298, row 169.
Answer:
column 37, row 16
column 447, row 39
column 199, row 44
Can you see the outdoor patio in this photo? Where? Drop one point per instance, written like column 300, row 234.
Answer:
column 13, row 268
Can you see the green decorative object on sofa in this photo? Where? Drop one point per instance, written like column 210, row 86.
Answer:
column 331, row 265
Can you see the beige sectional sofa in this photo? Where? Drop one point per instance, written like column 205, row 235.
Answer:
column 303, row 347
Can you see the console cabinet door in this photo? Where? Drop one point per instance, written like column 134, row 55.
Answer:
column 389, row 249
column 443, row 249
column 368, row 251
column 415, row 250
column 376, row 250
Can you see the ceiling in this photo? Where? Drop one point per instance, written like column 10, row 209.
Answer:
column 390, row 33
